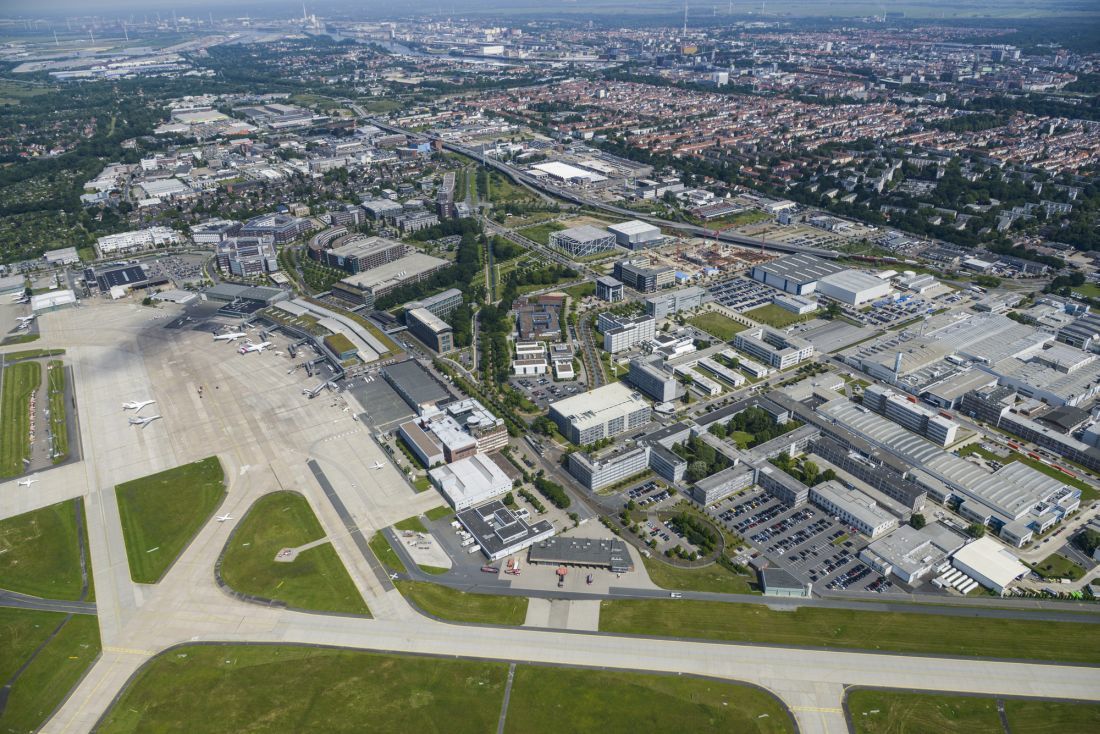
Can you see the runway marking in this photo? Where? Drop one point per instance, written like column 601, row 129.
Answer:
column 127, row 651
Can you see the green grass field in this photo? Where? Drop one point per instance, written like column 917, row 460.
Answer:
column 55, row 668
column 718, row 324
column 579, row 291
column 20, row 339
column 843, row 628
column 316, row 579
column 386, row 554
column 162, row 512
column 898, row 712
column 777, row 316
column 411, row 523
column 20, row 380
column 458, row 606
column 40, row 552
column 438, row 513
column 541, row 232
column 707, row 578
column 616, row 702
column 301, row 689
column 59, row 426
column 1055, row 566
column 10, row 357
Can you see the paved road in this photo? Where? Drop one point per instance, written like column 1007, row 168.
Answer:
column 24, row 601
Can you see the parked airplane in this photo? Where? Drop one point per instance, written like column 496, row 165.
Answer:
column 223, row 518
column 25, row 321
column 143, row 421
column 137, row 404
column 252, row 347
column 26, row 482
column 377, row 465
column 232, row 337
column 20, row 298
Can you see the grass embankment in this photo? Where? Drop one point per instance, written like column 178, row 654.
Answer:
column 268, row 688
column 59, row 426
column 894, row 712
column 315, row 580
column 777, row 316
column 32, row 354
column 458, row 606
column 385, row 554
column 161, row 513
column 20, row 339
column 859, row 630
column 40, row 552
column 714, row 577
column 53, row 670
column 718, row 324
column 345, row 690
column 20, row 380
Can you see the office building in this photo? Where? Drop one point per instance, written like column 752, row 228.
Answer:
column 797, row 274
column 583, row 240
column 649, row 375
column 624, row 332
column 370, row 285
column 907, row 412
column 854, row 508
column 213, row 231
column 281, row 228
column 356, row 253
column 441, row 304
column 246, row 256
column 595, row 472
column 136, row 241
column 470, row 481
column 673, row 302
column 430, row 329
column 636, row 235
column 379, row 209
column 463, row 428
column 499, row 533
column 774, row 348
column 608, row 289
column 601, row 413
column 643, row 276
column 731, row 480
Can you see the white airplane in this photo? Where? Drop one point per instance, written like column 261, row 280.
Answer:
column 377, row 465
column 232, row 337
column 143, row 421
column 20, row 298
column 26, row 482
column 137, row 404
column 252, row 347
column 223, row 518
column 25, row 321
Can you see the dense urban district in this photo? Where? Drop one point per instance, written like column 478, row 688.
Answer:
column 540, row 374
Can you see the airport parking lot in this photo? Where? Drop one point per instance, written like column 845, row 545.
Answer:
column 542, row 390
column 804, row 540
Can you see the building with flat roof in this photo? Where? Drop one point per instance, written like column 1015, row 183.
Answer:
column 773, row 348
column 649, row 375
column 853, row 508
column 644, row 277
column 12, row 284
column 682, row 299
column 624, row 332
column 61, row 256
column 441, row 304
column 636, row 234
column 370, row 285
column 608, row 289
column 415, row 385
column 430, row 329
column 246, row 256
column 611, row 554
column 778, row 582
column 136, row 241
column 499, row 532
column 583, row 240
column 470, row 481
column 854, row 287
column 912, row 554
column 358, row 253
column 281, row 228
column 906, row 411
column 601, row 413
column 990, row 564
column 722, row 484
column 796, row 274
column 597, row 471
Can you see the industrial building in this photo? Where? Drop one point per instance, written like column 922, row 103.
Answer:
column 470, row 481
column 499, row 532
column 583, row 240
column 368, row 286
column 12, row 284
column 990, row 564
column 643, row 276
column 61, row 256
column 853, row 507
column 430, row 329
column 415, row 385
column 911, row 554
column 52, row 301
column 601, row 413
column 584, row 552
column 906, row 411
column 1083, row 333
column 595, row 472
column 608, row 289
column 636, row 235
column 462, row 429
column 673, row 302
column 797, row 274
column 567, row 174
column 774, row 348
column 648, row 375
column 854, row 287
column 624, row 332
column 796, row 304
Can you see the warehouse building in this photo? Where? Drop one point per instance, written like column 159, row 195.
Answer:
column 774, row 348
column 61, row 256
column 601, row 413
column 368, row 286
column 52, row 301
column 499, row 532
column 911, row 554
column 636, row 235
column 673, row 302
column 990, row 564
column 797, row 274
column 415, row 385
column 853, row 507
column 470, row 481
column 854, row 287
column 430, row 329
column 583, row 240
column 624, row 332
column 644, row 277
column 611, row 554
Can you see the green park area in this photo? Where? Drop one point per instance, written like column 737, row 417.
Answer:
column 315, row 579
column 345, row 691
column 459, row 606
column 853, row 629
column 895, row 712
column 161, row 513
column 713, row 577
column 777, row 317
column 1057, row 566
column 718, row 324
column 59, row 425
column 40, row 552
column 56, row 650
column 20, row 380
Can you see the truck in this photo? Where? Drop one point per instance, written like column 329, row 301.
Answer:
column 468, row 542
column 490, row 569
column 474, row 548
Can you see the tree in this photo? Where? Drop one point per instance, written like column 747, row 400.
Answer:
column 832, row 311
column 509, row 500
column 810, row 472
column 917, row 521
column 976, row 530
